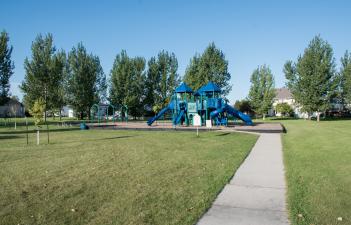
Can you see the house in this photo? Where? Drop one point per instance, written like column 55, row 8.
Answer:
column 67, row 111
column 12, row 108
column 283, row 95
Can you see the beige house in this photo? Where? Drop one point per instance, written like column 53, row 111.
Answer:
column 12, row 108
column 283, row 95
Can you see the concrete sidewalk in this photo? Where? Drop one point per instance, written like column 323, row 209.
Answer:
column 256, row 194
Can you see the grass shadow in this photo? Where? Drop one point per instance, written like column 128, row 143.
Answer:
column 223, row 134
column 3, row 137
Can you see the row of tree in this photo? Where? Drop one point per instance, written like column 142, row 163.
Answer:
column 55, row 78
column 313, row 81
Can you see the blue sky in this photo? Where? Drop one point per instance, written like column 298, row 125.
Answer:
column 250, row 33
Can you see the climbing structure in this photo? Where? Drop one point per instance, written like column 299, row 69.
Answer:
column 205, row 102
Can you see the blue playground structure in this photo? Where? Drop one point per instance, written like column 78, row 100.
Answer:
column 205, row 102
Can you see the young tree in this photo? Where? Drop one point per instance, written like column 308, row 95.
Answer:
column 210, row 66
column 86, row 80
column 44, row 73
column 37, row 111
column 312, row 79
column 6, row 66
column 262, row 90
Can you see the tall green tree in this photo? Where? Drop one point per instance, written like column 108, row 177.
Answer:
column 344, row 80
column 161, row 79
column 312, row 79
column 262, row 90
column 151, row 84
column 86, row 80
column 44, row 73
column 6, row 66
column 128, row 83
column 211, row 65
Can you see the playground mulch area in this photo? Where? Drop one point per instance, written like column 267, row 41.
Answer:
column 318, row 169
column 116, row 176
column 258, row 127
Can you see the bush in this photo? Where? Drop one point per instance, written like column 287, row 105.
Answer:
column 284, row 109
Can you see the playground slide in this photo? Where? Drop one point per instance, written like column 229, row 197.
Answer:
column 164, row 110
column 179, row 117
column 236, row 113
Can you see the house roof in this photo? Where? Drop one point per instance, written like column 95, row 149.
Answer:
column 209, row 87
column 12, row 101
column 283, row 93
column 183, row 88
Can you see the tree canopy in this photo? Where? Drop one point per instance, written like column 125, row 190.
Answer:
column 86, row 80
column 211, row 65
column 344, row 79
column 312, row 79
column 161, row 79
column 6, row 66
column 127, row 83
column 44, row 73
column 262, row 90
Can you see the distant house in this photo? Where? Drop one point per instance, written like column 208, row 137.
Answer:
column 67, row 111
column 283, row 95
column 12, row 108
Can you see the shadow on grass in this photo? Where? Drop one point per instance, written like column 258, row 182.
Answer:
column 223, row 134
column 3, row 137
column 111, row 138
column 42, row 130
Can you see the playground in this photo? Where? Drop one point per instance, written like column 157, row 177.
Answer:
column 206, row 104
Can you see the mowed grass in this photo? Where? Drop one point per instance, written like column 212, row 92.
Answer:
column 318, row 169
column 115, row 177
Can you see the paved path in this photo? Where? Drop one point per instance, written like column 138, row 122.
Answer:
column 256, row 194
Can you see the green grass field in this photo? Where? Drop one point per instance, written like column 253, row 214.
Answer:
column 318, row 163
column 115, row 177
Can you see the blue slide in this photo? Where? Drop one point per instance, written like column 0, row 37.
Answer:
column 234, row 112
column 179, row 117
column 163, row 111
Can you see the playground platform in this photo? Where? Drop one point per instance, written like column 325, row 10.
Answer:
column 163, row 126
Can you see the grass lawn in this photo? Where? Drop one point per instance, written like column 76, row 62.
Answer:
column 115, row 177
column 318, row 162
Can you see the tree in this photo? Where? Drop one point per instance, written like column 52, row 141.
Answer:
column 312, row 79
column 6, row 66
column 37, row 111
column 151, row 85
column 135, row 93
column 344, row 80
column 86, row 80
column 127, row 83
column 243, row 106
column 209, row 66
column 44, row 73
column 161, row 79
column 284, row 109
column 262, row 90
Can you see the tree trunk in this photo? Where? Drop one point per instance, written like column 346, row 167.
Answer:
column 60, row 115
column 38, row 136
column 264, row 116
column 318, row 116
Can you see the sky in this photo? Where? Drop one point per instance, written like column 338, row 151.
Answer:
column 250, row 33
